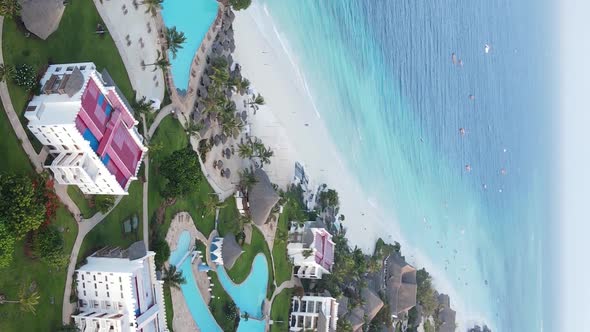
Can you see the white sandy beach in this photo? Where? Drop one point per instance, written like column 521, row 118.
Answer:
column 293, row 128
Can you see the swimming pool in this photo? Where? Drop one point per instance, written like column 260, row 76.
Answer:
column 193, row 17
column 250, row 294
column 194, row 301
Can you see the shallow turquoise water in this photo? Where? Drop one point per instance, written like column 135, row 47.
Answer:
column 196, row 305
column 250, row 294
column 383, row 71
column 193, row 17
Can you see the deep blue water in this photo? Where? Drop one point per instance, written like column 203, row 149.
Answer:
column 383, row 69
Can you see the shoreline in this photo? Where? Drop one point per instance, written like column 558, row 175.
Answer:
column 290, row 124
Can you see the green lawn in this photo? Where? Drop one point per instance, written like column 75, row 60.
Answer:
column 280, row 311
column 283, row 267
column 82, row 202
column 168, row 307
column 172, row 136
column 229, row 218
column 217, row 304
column 50, row 282
column 109, row 232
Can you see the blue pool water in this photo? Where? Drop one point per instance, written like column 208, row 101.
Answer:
column 196, row 305
column 250, row 294
column 193, row 17
column 383, row 69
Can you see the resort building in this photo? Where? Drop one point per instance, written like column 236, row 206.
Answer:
column 399, row 285
column 225, row 250
column 118, row 292
column 362, row 314
column 88, row 127
column 261, row 198
column 311, row 250
column 313, row 313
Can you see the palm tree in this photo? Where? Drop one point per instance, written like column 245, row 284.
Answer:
column 211, row 205
column 220, row 77
column 27, row 300
column 174, row 40
column 265, row 154
column 193, row 128
column 161, row 62
column 257, row 101
column 247, row 179
column 245, row 151
column 152, row 6
column 232, row 127
column 6, row 71
column 10, row 8
column 241, row 85
column 172, row 277
column 142, row 106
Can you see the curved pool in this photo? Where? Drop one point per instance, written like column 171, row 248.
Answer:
column 193, row 17
column 194, row 301
column 250, row 294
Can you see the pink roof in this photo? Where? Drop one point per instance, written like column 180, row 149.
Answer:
column 108, row 121
column 324, row 249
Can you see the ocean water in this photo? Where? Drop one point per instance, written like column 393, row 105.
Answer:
column 382, row 75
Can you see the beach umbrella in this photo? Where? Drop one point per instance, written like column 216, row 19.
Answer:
column 232, row 46
column 227, row 173
column 200, row 107
column 225, row 45
column 216, row 50
column 209, row 70
column 227, row 153
column 205, row 80
column 228, row 93
column 230, row 59
column 217, row 140
column 244, row 116
column 223, row 138
column 230, row 34
column 202, row 92
column 231, row 15
column 220, row 163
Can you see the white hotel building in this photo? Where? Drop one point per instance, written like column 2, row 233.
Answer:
column 311, row 250
column 118, row 292
column 313, row 313
column 88, row 127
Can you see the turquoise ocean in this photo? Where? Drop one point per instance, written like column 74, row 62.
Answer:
column 383, row 78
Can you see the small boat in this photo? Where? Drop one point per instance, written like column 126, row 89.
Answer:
column 471, row 97
column 462, row 131
column 487, row 48
column 454, row 58
column 468, row 168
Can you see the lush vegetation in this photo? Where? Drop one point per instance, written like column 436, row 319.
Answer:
column 241, row 269
column 280, row 311
column 220, row 304
column 86, row 206
column 182, row 172
column 172, row 277
column 240, row 4
column 27, row 273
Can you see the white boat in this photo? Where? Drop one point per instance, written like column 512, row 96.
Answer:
column 487, row 48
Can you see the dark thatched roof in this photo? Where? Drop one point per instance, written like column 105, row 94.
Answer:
column 42, row 17
column 262, row 198
column 401, row 284
column 136, row 250
column 370, row 308
column 230, row 250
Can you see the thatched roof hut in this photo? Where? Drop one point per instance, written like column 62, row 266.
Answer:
column 401, row 285
column 230, row 251
column 42, row 17
column 262, row 198
column 370, row 308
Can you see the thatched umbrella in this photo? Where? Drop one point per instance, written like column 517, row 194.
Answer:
column 231, row 16
column 244, row 116
column 202, row 92
column 41, row 17
column 228, row 93
column 230, row 34
column 227, row 153
column 232, row 45
column 227, row 173
column 209, row 70
column 205, row 80
column 223, row 138
column 220, row 163
column 262, row 198
column 216, row 49
column 225, row 45
column 217, row 140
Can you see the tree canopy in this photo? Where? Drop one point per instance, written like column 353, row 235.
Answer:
column 329, row 198
column 48, row 246
column 425, row 293
column 183, row 172
column 22, row 206
column 7, row 242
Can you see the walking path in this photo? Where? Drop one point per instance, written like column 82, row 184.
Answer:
column 145, row 216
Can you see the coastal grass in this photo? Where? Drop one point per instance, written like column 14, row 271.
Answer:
column 81, row 201
column 241, row 269
column 74, row 41
column 109, row 232
column 283, row 266
column 49, row 282
column 279, row 312
column 228, row 221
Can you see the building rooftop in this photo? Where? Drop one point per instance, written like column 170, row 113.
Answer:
column 262, row 198
column 400, row 282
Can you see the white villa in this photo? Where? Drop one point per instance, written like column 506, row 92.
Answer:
column 118, row 292
column 88, row 127
column 311, row 250
column 313, row 313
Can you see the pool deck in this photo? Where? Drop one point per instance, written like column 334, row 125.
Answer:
column 135, row 34
column 183, row 320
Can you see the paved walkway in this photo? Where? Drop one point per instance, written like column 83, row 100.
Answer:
column 145, row 216
column 165, row 111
